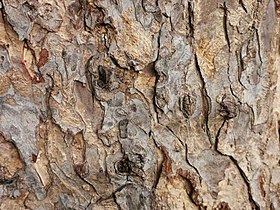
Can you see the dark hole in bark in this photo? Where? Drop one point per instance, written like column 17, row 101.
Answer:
column 124, row 166
column 123, row 128
column 28, row 7
column 228, row 110
column 104, row 75
column 223, row 206
column 34, row 158
column 82, row 170
column 187, row 105
column 133, row 108
column 8, row 181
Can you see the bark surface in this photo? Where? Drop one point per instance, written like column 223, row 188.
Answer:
column 139, row 104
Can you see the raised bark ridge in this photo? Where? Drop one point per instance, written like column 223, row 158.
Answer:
column 145, row 104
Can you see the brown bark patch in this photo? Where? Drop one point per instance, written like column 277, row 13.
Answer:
column 223, row 206
column 82, row 170
column 167, row 164
column 261, row 183
column 44, row 56
column 277, row 7
column 192, row 192
column 10, row 161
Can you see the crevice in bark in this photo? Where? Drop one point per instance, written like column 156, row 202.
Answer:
column 235, row 162
column 142, row 95
column 158, row 171
column 115, row 201
column 87, row 182
column 27, row 46
column 142, row 5
column 8, row 181
column 116, row 63
column 171, row 23
column 243, row 5
column 24, row 202
column 89, row 204
column 157, row 77
column 259, row 50
column 272, row 207
column 84, row 11
column 230, row 83
column 156, row 108
column 188, row 162
column 158, row 43
column 171, row 131
column 218, row 135
column 113, row 194
column 89, row 77
column 158, row 175
column 191, row 20
column 129, row 167
column 48, row 94
column 206, row 100
column 235, row 96
column 253, row 203
column 225, row 25
column 135, row 12
column 191, row 190
column 35, row 76
column 252, row 116
column 2, row 9
column 241, row 68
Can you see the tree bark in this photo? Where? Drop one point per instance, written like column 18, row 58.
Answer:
column 141, row 104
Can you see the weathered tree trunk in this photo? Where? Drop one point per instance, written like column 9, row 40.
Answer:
column 139, row 104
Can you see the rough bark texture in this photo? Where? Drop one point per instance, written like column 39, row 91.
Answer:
column 139, row 104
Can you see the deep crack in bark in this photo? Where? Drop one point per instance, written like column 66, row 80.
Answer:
column 225, row 25
column 206, row 100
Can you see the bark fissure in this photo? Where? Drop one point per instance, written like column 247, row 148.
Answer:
column 113, row 195
column 87, row 182
column 206, row 100
column 259, row 51
column 191, row 20
column 191, row 192
column 48, row 97
column 254, row 204
column 225, row 25
column 157, row 76
column 241, row 68
column 158, row 176
column 218, row 135
column 172, row 132
column 243, row 5
column 89, row 77
column 188, row 162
